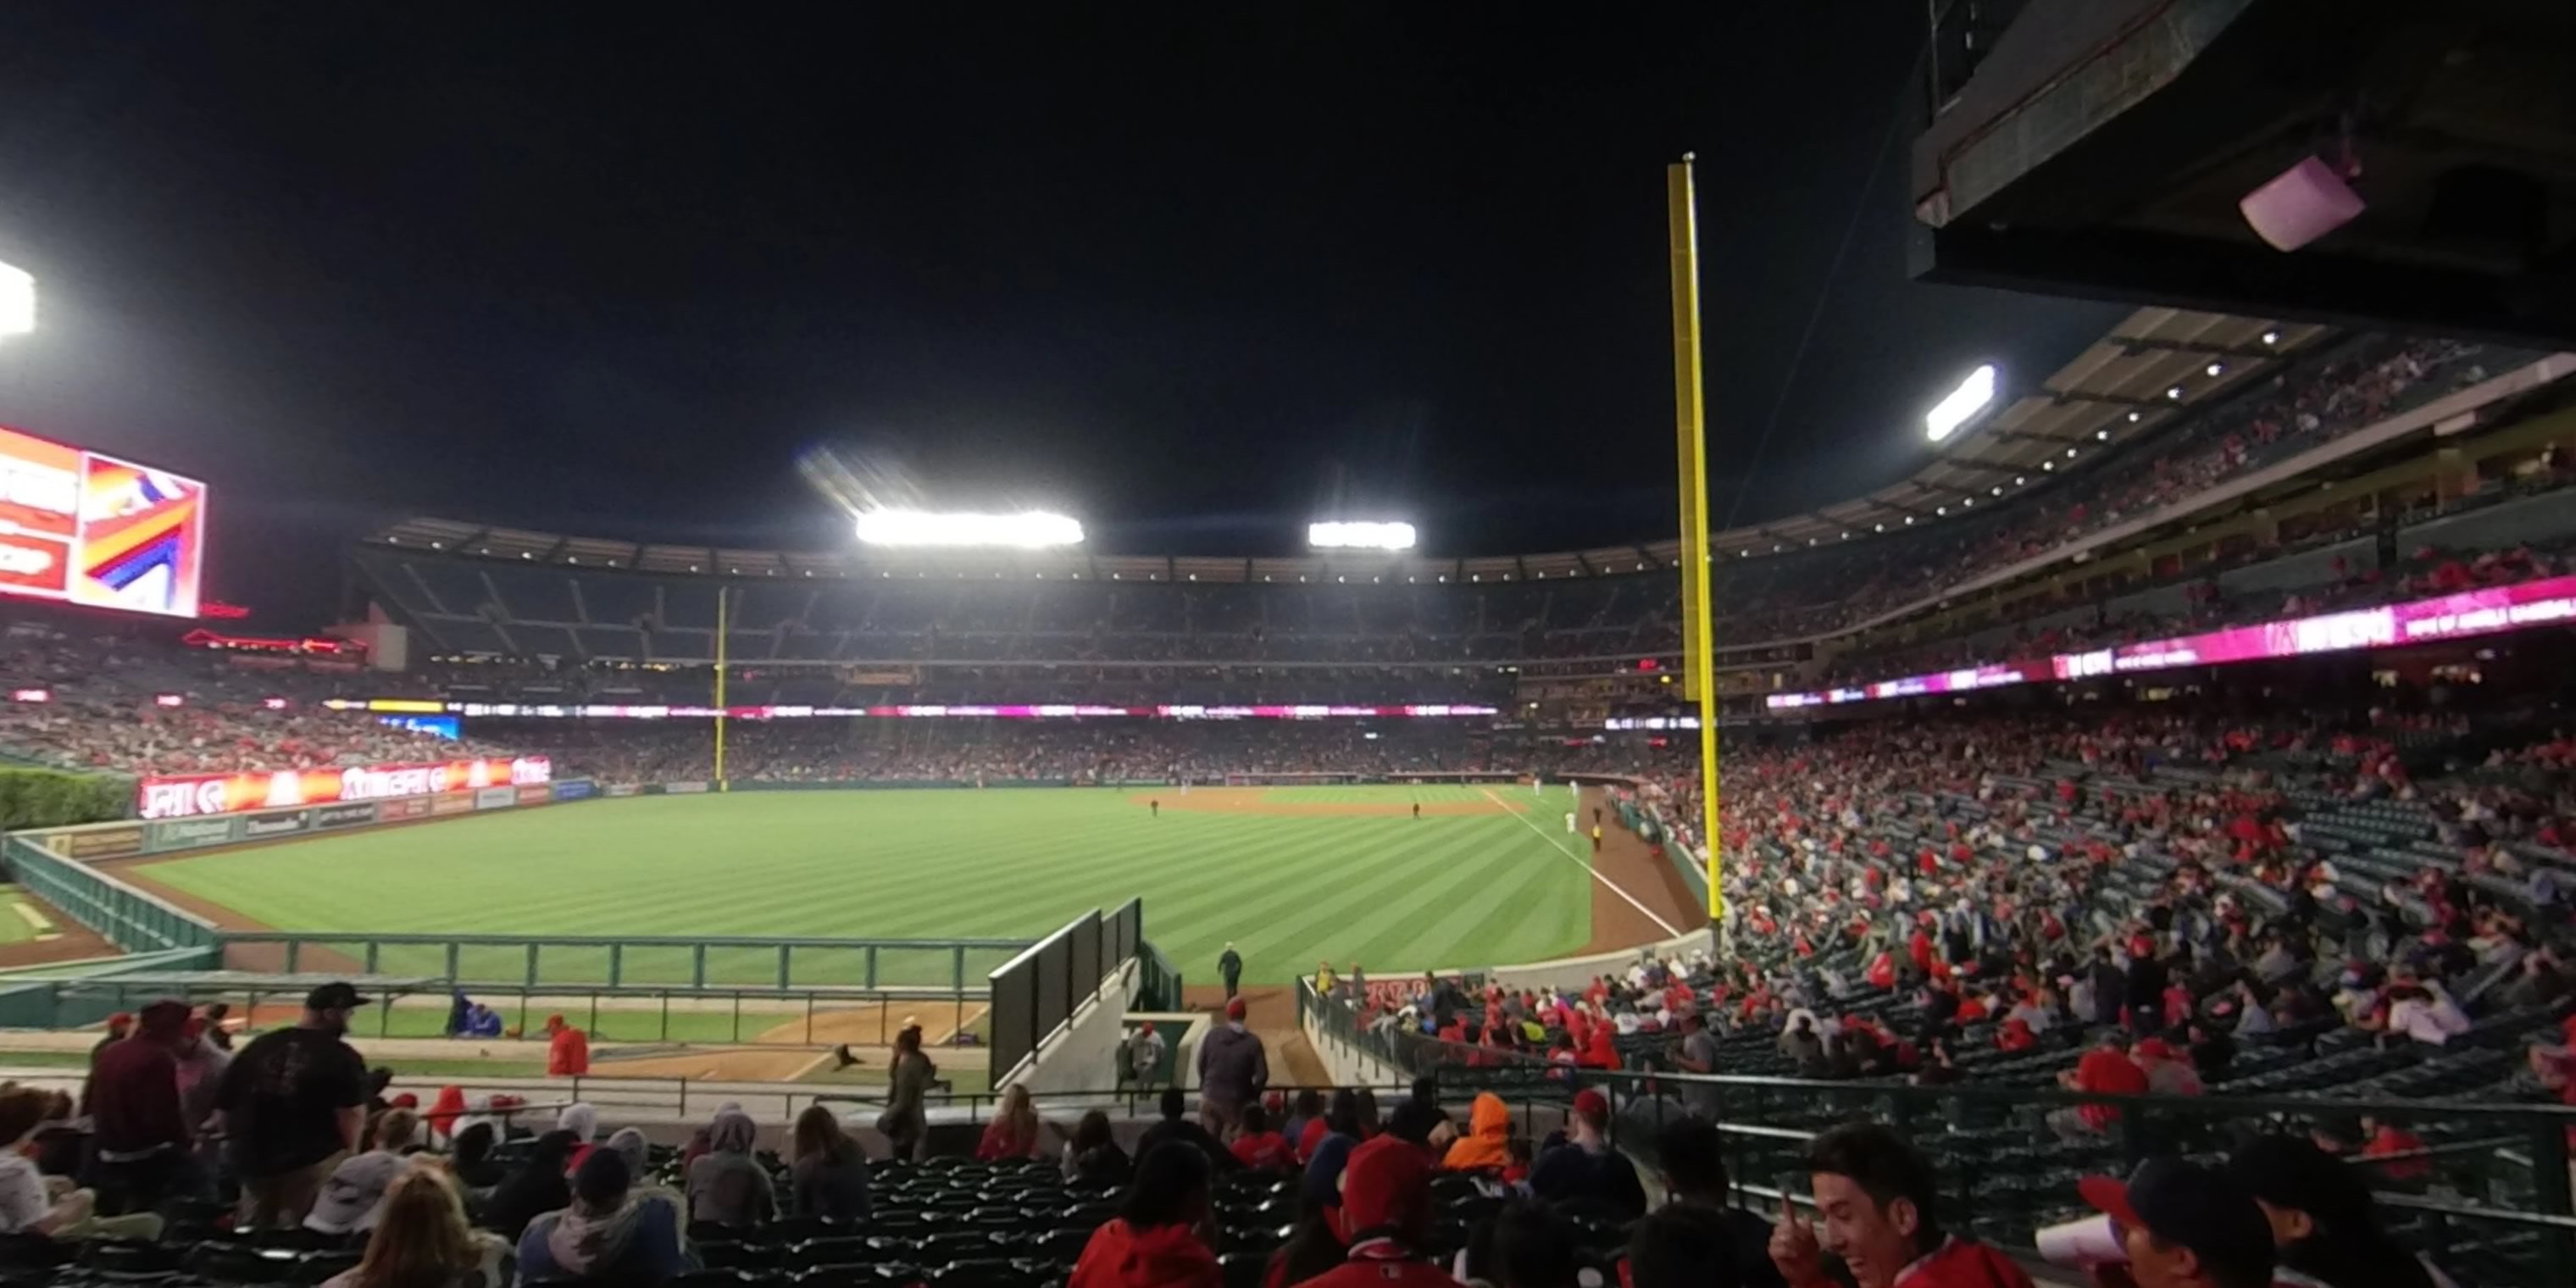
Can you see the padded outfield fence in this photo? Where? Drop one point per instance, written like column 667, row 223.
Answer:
column 582, row 962
column 134, row 920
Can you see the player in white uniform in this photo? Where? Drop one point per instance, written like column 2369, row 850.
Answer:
column 1569, row 823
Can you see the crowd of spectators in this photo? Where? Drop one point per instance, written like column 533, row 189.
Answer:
column 533, row 613
column 2157, row 901
column 996, row 751
column 2421, row 573
column 106, row 699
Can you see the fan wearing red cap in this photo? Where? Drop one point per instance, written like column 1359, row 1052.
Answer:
column 1233, row 1069
column 118, row 1025
column 1386, row 1208
column 139, row 1134
column 1875, row 1193
column 1584, row 1166
column 1145, row 1055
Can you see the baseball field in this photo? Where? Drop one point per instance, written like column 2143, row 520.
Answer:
column 1290, row 875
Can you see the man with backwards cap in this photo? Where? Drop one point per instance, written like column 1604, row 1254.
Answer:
column 2184, row 1226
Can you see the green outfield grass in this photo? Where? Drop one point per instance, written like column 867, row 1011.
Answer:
column 1495, row 885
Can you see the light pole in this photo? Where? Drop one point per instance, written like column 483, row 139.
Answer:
column 17, row 300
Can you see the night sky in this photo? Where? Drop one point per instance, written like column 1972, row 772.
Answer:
column 1192, row 273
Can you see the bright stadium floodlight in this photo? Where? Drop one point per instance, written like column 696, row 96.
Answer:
column 1360, row 536
column 17, row 300
column 1964, row 402
column 1030, row 530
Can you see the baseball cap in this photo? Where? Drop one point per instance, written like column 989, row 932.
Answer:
column 335, row 996
column 164, row 1018
column 2196, row 1207
column 352, row 1193
column 1235, row 1009
column 1387, row 1184
column 1590, row 1103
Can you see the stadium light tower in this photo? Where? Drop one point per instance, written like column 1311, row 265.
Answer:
column 17, row 300
column 1360, row 536
column 1961, row 405
column 1028, row 530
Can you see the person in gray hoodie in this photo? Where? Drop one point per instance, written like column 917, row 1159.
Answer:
column 1232, row 1070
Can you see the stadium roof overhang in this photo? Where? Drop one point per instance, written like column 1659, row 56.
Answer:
column 2102, row 150
column 2119, row 388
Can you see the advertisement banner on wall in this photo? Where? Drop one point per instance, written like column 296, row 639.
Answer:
column 330, row 816
column 99, row 843
column 496, row 798
column 280, row 823
column 189, row 795
column 190, row 833
column 442, row 806
column 573, row 789
column 403, row 807
column 621, row 789
column 536, row 795
column 682, row 789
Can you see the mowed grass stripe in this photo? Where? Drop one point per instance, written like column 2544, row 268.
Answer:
column 1393, row 935
column 898, row 863
column 1254, row 867
column 1345, row 893
column 1473, row 922
column 899, row 908
column 1331, row 860
column 1435, row 904
column 1551, row 920
column 1357, row 895
column 1042, row 869
column 825, row 884
column 1033, row 875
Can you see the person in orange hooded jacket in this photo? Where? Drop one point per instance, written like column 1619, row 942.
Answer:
column 1486, row 1144
column 1155, row 1240
column 567, row 1049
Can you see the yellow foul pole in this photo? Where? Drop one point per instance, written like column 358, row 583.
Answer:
column 723, row 593
column 1690, row 430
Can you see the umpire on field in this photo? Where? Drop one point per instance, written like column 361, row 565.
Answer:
column 1230, row 965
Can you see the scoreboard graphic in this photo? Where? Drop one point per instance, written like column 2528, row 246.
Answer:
column 95, row 529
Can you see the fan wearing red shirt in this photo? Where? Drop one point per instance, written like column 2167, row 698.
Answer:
column 1154, row 1241
column 2108, row 1070
column 1875, row 1194
column 1260, row 1148
column 1386, row 1205
column 2388, row 1138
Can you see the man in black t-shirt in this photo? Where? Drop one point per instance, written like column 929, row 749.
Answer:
column 1178, row 1129
column 291, row 1105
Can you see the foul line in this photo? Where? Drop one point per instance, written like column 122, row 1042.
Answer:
column 1671, row 931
